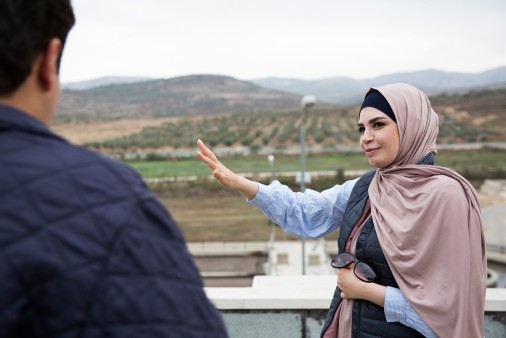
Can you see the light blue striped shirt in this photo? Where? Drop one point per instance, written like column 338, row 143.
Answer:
column 315, row 214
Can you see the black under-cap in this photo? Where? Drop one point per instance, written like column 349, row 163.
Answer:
column 376, row 100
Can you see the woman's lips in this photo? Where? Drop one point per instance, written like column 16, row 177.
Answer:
column 370, row 151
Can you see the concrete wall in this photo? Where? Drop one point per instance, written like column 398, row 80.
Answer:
column 296, row 306
column 308, row 323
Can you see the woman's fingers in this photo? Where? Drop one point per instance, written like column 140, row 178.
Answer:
column 206, row 151
column 207, row 156
column 220, row 172
column 201, row 145
column 222, row 178
column 225, row 176
column 211, row 164
column 219, row 176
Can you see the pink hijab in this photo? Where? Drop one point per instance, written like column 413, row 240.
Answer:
column 429, row 226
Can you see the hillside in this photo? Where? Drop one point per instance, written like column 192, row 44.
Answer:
column 202, row 95
column 182, row 96
column 102, row 82
column 483, row 111
column 343, row 90
column 470, row 117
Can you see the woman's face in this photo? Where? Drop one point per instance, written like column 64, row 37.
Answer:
column 379, row 137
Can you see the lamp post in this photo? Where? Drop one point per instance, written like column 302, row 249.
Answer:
column 307, row 103
column 271, row 158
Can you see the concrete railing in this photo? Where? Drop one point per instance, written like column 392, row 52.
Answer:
column 295, row 306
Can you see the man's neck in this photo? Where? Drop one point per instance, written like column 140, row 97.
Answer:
column 27, row 102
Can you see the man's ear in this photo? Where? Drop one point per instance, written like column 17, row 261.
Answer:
column 48, row 70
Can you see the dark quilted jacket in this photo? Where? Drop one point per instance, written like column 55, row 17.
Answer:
column 85, row 249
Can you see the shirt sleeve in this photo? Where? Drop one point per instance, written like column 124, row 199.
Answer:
column 310, row 214
column 398, row 309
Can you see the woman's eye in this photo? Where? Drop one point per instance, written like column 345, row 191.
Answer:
column 361, row 130
column 378, row 124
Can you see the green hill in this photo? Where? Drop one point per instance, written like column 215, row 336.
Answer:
column 181, row 96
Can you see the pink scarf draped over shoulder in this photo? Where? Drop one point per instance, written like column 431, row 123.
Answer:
column 428, row 222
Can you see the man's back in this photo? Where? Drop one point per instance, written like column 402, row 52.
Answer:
column 86, row 249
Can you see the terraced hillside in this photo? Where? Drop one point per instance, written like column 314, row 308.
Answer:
column 471, row 117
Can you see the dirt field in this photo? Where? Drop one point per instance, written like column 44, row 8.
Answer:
column 99, row 131
column 221, row 218
column 217, row 217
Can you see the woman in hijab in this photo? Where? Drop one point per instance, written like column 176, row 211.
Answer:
column 411, row 247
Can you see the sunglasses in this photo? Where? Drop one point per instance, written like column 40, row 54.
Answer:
column 366, row 272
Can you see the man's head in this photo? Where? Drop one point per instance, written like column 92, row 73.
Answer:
column 26, row 28
column 30, row 30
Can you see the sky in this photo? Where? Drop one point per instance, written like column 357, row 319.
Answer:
column 305, row 39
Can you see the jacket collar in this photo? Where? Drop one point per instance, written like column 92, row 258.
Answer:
column 15, row 119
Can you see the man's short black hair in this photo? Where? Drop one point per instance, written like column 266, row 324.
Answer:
column 26, row 28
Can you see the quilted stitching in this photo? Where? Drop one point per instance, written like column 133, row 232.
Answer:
column 86, row 249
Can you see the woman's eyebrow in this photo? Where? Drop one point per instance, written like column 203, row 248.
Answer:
column 371, row 121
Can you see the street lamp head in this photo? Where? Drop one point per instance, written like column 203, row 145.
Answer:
column 270, row 158
column 308, row 101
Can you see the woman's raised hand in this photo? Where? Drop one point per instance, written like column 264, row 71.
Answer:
column 225, row 176
column 222, row 174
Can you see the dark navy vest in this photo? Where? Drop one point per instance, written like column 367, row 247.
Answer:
column 368, row 319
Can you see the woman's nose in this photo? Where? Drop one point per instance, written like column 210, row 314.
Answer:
column 366, row 137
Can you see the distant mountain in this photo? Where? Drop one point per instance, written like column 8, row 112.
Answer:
column 117, row 97
column 181, row 96
column 344, row 90
column 103, row 81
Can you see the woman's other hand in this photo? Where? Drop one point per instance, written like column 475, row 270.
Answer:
column 353, row 288
column 225, row 176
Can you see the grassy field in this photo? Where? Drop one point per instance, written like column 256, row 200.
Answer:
column 462, row 161
column 253, row 164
